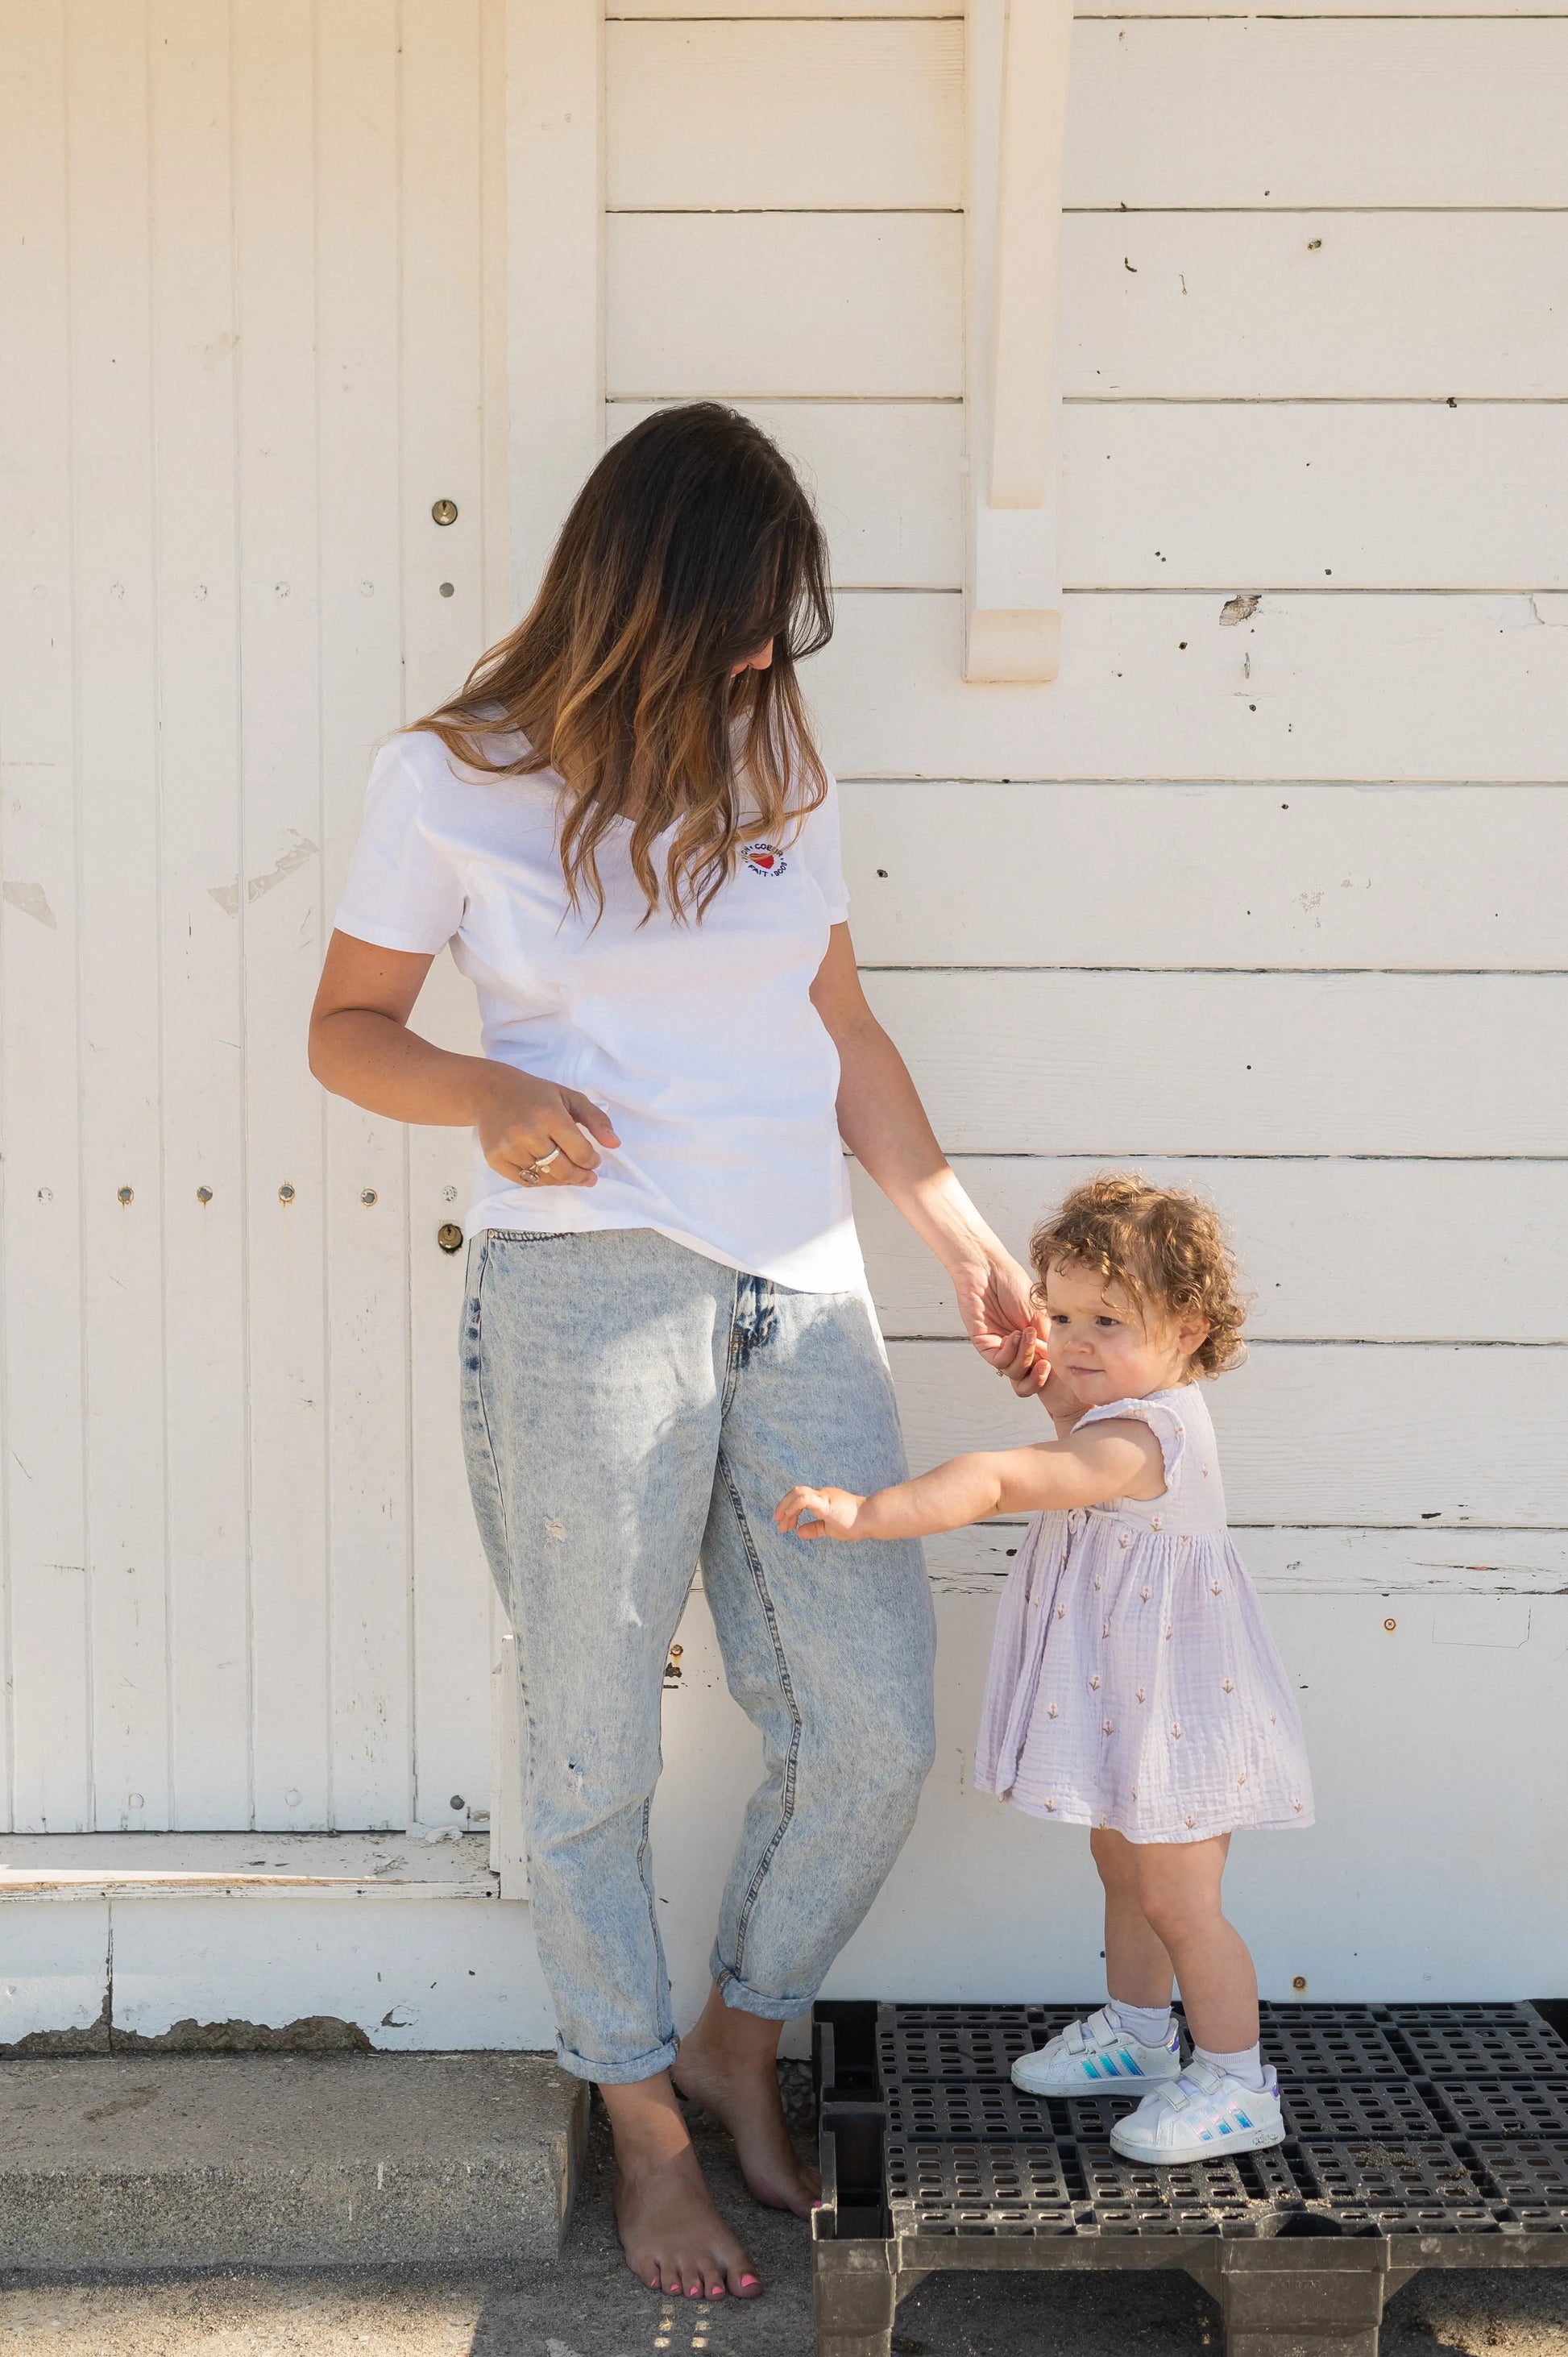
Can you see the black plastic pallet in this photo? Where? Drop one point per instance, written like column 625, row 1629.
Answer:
column 1416, row 2135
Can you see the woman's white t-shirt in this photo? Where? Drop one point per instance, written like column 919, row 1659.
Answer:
column 700, row 1041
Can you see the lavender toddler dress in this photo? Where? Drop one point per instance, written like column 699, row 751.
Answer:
column 1133, row 1682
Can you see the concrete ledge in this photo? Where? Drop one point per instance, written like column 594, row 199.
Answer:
column 286, row 2160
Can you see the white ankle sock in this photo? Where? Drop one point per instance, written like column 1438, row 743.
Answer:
column 1149, row 2023
column 1245, row 2063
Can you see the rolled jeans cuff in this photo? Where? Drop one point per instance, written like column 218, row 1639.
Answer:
column 616, row 2074
column 742, row 1999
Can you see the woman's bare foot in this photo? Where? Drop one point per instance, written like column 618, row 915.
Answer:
column 673, row 2237
column 728, row 2063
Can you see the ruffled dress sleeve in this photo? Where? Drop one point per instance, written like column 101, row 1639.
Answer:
column 1163, row 1421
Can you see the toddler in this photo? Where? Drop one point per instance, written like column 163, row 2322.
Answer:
column 1134, row 1686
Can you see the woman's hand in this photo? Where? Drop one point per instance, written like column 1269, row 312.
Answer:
column 522, row 1121
column 828, row 1514
column 996, row 1302
column 362, row 1048
column 1022, row 1359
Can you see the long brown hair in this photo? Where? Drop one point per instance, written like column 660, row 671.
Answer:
column 690, row 544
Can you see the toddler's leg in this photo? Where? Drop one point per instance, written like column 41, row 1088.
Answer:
column 1178, row 1892
column 1138, row 1968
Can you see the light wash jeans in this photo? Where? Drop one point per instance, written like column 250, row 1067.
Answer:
column 628, row 1406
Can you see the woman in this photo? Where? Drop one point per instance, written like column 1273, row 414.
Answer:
column 624, row 832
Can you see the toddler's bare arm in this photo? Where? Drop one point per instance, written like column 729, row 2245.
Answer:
column 1111, row 1461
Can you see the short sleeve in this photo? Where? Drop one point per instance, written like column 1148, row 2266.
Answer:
column 403, row 891
column 818, row 844
column 1163, row 1421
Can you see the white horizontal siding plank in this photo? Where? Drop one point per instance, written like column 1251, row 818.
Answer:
column 764, row 116
column 280, row 903
column 119, row 910
column 1367, row 495
column 1220, row 112
column 640, row 9
column 202, row 1092
column 943, row 873
column 866, row 305
column 1414, row 1436
column 1188, row 8
column 634, row 11
column 1257, row 112
column 884, row 476
column 1329, row 1251
column 1321, row 305
column 1121, row 1064
column 45, row 1708
column 1190, row 305
column 1371, row 687
column 1434, row 1740
column 1190, row 494
column 1433, row 1563
column 362, row 82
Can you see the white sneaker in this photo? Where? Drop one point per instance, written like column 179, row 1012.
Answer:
column 1090, row 2057
column 1203, row 2115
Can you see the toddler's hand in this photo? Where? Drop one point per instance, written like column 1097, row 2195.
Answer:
column 818, row 1514
column 1022, row 1359
column 1060, row 1400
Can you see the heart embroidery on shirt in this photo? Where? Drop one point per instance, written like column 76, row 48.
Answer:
column 764, row 859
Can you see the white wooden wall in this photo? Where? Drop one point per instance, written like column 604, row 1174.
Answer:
column 1263, row 894
column 251, row 274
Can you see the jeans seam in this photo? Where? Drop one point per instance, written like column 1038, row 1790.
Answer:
column 479, row 1402
column 754, row 1889
column 662, row 2004
column 734, row 1357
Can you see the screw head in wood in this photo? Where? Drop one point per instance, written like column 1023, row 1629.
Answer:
column 285, row 1193
column 1391, row 1626
column 204, row 1194
column 444, row 511
column 449, row 1235
column 127, row 1194
column 367, row 1195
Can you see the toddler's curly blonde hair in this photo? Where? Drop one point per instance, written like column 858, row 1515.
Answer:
column 1165, row 1248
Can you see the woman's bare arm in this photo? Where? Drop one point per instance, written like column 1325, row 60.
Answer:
column 362, row 1048
column 884, row 1124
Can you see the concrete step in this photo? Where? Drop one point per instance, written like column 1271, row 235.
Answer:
column 286, row 2160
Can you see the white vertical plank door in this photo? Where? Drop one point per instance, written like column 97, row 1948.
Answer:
column 196, row 559
column 252, row 265
column 453, row 136
column 279, row 903
column 120, row 888
column 47, row 1765
column 359, row 524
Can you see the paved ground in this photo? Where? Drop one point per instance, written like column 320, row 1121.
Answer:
column 587, row 2306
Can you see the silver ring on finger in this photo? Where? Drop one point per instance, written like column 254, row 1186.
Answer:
column 537, row 1169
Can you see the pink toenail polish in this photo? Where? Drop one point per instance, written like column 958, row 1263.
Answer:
column 748, row 2279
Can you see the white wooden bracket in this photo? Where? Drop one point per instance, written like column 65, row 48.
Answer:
column 1019, row 54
